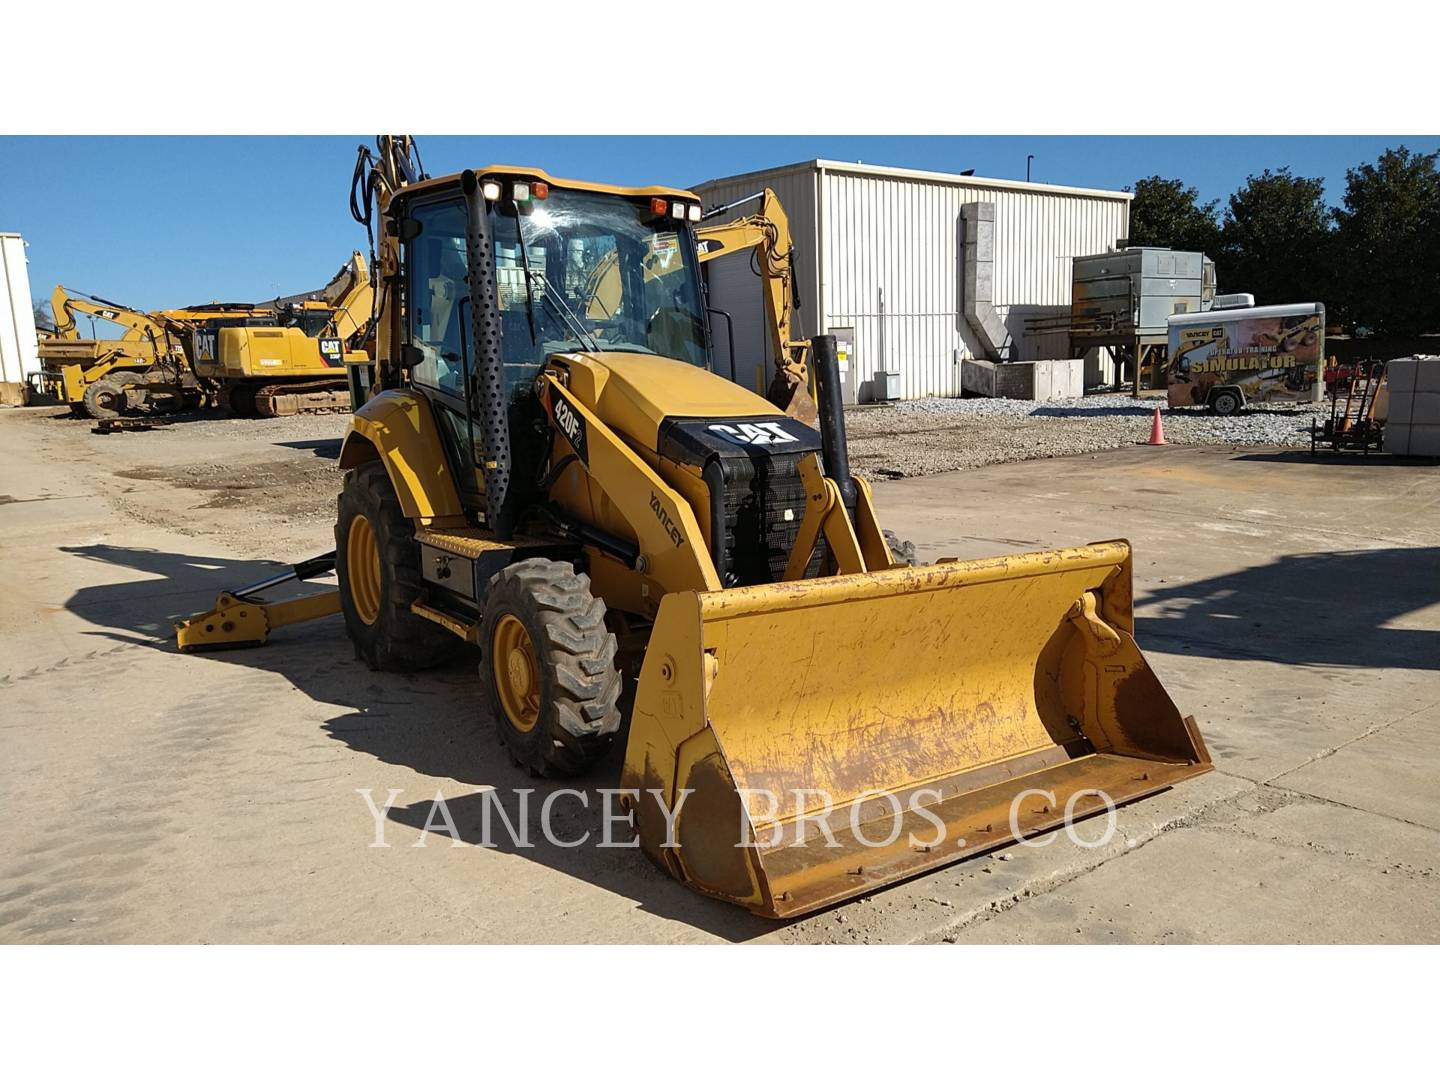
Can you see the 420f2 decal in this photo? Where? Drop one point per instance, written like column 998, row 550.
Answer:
column 570, row 424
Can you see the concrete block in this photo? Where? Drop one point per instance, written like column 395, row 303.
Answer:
column 14, row 393
column 1397, row 439
column 1427, row 375
column 1424, row 440
column 1025, row 380
column 1400, row 374
column 1426, row 408
column 978, row 376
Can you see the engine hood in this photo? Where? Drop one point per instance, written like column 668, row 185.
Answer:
column 636, row 394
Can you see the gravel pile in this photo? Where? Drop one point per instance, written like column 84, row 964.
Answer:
column 932, row 435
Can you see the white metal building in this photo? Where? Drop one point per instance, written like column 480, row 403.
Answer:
column 883, row 263
column 19, row 352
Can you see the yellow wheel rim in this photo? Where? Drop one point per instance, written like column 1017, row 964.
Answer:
column 362, row 567
column 517, row 675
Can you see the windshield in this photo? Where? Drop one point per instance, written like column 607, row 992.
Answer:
column 604, row 273
column 311, row 323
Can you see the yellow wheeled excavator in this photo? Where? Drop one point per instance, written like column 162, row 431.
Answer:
column 104, row 377
column 565, row 486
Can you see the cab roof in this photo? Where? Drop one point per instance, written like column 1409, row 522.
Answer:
column 529, row 171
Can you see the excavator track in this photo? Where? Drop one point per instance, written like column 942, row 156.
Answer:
column 316, row 396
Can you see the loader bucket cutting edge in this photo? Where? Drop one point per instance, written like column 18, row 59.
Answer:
column 856, row 730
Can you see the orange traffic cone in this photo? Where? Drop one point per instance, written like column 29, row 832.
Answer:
column 1157, row 433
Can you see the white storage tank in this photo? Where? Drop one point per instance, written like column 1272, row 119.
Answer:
column 19, row 353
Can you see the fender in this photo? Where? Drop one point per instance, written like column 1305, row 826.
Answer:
column 398, row 428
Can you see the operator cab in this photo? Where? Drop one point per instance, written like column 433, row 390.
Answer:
column 578, row 268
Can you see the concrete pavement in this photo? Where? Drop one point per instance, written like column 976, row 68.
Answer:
column 1292, row 605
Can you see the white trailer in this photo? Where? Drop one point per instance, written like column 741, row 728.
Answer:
column 19, row 354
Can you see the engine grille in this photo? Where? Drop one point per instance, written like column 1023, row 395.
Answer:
column 764, row 503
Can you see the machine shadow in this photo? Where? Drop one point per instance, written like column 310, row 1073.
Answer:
column 1331, row 457
column 1330, row 607
column 433, row 723
column 321, row 448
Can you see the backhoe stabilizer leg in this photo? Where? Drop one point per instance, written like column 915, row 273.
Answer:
column 240, row 619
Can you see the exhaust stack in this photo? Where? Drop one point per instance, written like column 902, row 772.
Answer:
column 979, row 220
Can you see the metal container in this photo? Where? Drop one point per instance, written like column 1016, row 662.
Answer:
column 1128, row 295
column 887, row 386
column 19, row 354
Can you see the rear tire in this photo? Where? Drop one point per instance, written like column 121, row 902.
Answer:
column 378, row 564
column 548, row 668
column 1226, row 402
column 901, row 551
column 106, row 398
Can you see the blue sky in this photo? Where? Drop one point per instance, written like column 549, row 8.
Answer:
column 159, row 222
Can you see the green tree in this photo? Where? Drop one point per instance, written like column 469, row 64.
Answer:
column 1276, row 240
column 1167, row 213
column 1389, row 243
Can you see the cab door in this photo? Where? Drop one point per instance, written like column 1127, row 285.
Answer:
column 437, row 333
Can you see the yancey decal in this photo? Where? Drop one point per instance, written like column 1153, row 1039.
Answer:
column 670, row 527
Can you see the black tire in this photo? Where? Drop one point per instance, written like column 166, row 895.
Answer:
column 240, row 401
column 573, row 653
column 1226, row 402
column 394, row 638
column 106, row 399
column 901, row 551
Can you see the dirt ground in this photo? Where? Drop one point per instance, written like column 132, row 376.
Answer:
column 1292, row 604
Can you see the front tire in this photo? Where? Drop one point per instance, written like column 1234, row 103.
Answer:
column 378, row 564
column 548, row 668
column 106, row 398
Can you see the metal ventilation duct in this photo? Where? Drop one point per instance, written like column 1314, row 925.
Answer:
column 979, row 220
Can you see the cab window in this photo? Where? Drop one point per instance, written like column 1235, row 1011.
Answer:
column 437, row 289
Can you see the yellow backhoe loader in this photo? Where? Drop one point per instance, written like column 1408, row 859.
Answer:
column 565, row 487
column 299, row 362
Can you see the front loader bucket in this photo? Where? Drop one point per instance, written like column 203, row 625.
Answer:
column 797, row 744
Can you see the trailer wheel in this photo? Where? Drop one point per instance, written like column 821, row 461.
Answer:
column 548, row 668
column 105, row 398
column 1226, row 402
column 378, row 564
